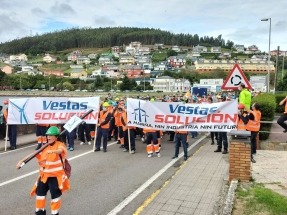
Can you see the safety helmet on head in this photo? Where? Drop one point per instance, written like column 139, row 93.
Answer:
column 241, row 106
column 53, row 131
column 5, row 102
column 106, row 104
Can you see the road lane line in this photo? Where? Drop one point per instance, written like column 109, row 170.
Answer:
column 37, row 171
column 133, row 195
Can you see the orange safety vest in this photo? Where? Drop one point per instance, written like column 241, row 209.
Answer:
column 240, row 125
column 125, row 119
column 118, row 116
column 146, row 130
column 102, row 118
column 5, row 114
column 286, row 106
column 46, row 125
column 181, row 132
column 254, row 125
column 51, row 166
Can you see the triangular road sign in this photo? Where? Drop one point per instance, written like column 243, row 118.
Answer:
column 235, row 78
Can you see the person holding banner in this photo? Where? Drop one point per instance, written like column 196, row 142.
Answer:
column 222, row 136
column 41, row 130
column 12, row 129
column 152, row 144
column 103, row 128
column 180, row 139
column 52, row 175
column 129, row 135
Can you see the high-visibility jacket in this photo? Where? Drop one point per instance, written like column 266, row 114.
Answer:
column 285, row 107
column 180, row 132
column 5, row 114
column 124, row 120
column 118, row 116
column 254, row 125
column 103, row 119
column 240, row 125
column 146, row 130
column 51, row 166
column 46, row 125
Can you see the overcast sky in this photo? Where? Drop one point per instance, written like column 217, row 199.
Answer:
column 236, row 20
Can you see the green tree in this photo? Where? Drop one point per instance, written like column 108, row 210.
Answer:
column 68, row 86
column 126, row 84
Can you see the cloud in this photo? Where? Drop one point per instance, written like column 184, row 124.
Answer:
column 8, row 25
column 37, row 11
column 103, row 21
column 62, row 9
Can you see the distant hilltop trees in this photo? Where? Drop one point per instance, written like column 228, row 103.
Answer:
column 104, row 37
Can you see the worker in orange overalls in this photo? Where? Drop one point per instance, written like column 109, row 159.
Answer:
column 41, row 130
column 151, row 141
column 103, row 127
column 132, row 139
column 119, row 126
column 52, row 175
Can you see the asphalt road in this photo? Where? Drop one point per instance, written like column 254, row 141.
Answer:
column 99, row 182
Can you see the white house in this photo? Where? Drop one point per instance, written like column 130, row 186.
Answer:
column 199, row 49
column 49, row 58
column 169, row 84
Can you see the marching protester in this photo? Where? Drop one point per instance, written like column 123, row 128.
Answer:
column 41, row 130
column 52, row 175
column 180, row 139
column 103, row 128
column 283, row 118
column 12, row 129
column 129, row 134
column 84, row 133
column 2, row 123
column 222, row 137
column 71, row 139
column 151, row 142
column 252, row 124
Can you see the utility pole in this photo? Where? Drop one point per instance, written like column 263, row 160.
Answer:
column 275, row 78
column 283, row 67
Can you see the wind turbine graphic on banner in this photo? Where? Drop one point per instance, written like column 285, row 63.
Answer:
column 140, row 112
column 21, row 111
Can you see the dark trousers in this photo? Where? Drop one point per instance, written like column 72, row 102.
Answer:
column 52, row 185
column 180, row 139
column 253, row 141
column 102, row 133
column 84, row 130
column 12, row 134
column 112, row 128
column 213, row 135
column 151, row 137
column 132, row 139
column 222, row 140
column 281, row 121
column 2, row 130
column 171, row 135
column 71, row 138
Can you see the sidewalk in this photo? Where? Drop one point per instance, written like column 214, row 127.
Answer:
column 21, row 140
column 196, row 188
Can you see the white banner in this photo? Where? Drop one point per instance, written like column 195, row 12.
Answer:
column 51, row 110
column 180, row 116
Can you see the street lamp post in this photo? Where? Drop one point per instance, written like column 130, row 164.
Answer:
column 283, row 68
column 268, row 75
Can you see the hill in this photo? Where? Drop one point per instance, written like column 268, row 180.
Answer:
column 104, row 37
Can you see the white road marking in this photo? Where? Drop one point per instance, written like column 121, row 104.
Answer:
column 132, row 196
column 18, row 149
column 37, row 171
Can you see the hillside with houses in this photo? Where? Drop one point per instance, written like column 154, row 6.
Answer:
column 158, row 67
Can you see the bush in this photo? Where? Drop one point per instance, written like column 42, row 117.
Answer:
column 279, row 98
column 267, row 104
